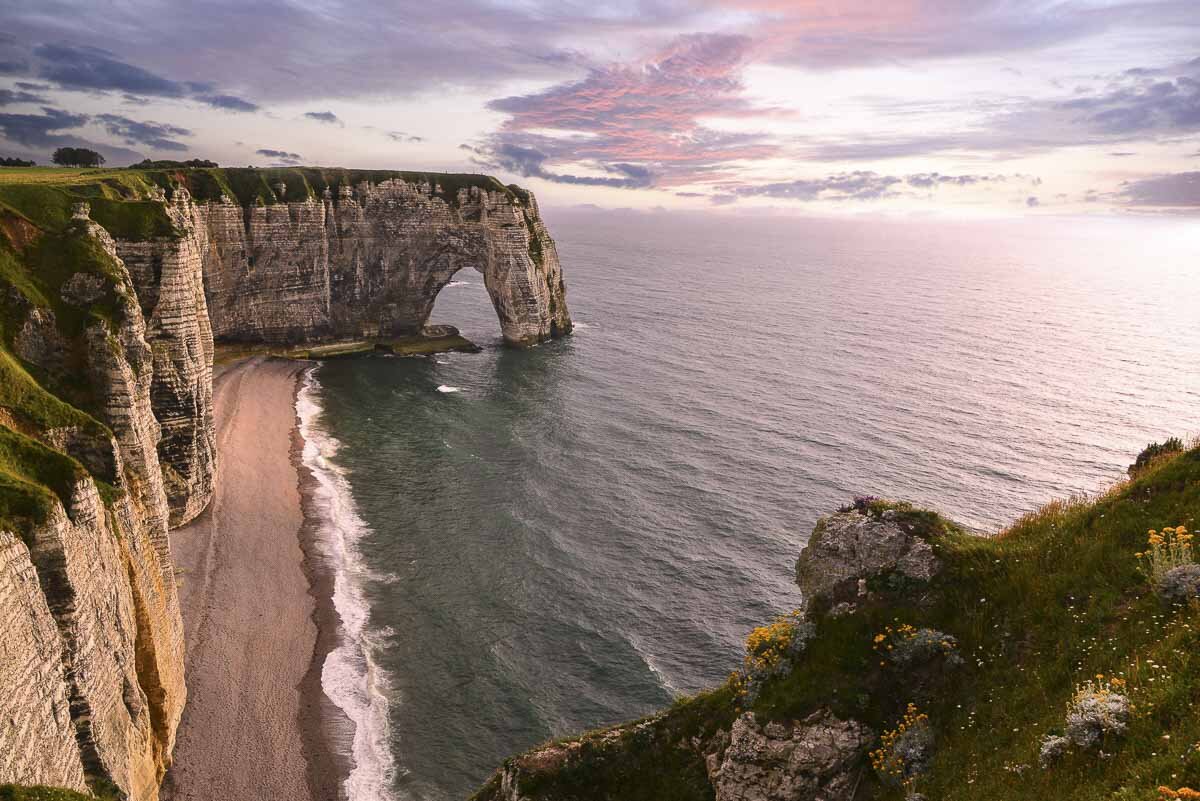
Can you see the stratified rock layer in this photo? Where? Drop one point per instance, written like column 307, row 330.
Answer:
column 370, row 261
column 37, row 740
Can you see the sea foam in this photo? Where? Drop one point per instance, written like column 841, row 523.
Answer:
column 349, row 676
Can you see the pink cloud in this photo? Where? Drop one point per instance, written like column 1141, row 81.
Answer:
column 647, row 114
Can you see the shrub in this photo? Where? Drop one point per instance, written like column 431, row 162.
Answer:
column 1153, row 451
column 1169, row 549
column 1053, row 748
column 905, row 752
column 861, row 503
column 1179, row 584
column 1098, row 710
column 772, row 651
column 907, row 646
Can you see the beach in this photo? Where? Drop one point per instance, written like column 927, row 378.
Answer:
column 256, row 611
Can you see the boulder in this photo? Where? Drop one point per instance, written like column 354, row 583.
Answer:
column 809, row 760
column 856, row 545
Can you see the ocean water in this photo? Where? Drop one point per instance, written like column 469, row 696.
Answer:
column 534, row 543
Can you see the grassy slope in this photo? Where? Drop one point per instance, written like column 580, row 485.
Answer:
column 1051, row 602
column 247, row 185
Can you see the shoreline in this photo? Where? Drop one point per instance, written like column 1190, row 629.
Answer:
column 326, row 732
column 257, row 601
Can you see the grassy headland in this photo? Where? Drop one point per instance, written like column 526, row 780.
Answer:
column 1034, row 613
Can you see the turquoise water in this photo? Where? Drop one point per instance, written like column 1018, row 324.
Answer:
column 587, row 529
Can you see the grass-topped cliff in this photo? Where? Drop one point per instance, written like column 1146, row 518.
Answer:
column 992, row 651
column 25, row 188
column 42, row 251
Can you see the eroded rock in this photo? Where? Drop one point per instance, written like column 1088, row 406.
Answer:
column 810, row 760
column 855, row 546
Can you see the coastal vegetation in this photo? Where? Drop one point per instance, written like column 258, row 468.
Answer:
column 1047, row 632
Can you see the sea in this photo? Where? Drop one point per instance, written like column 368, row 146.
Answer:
column 534, row 543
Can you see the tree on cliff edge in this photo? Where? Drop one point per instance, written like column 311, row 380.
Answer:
column 77, row 157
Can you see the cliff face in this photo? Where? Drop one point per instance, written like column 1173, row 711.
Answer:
column 368, row 260
column 95, row 562
column 110, row 295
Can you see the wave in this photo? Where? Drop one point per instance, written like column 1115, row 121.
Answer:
column 349, row 676
column 447, row 388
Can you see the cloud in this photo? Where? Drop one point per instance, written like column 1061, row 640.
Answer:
column 39, row 130
column 8, row 97
column 821, row 35
column 281, row 156
column 323, row 116
column 227, row 102
column 401, row 136
column 636, row 124
column 39, row 134
column 1139, row 103
column 1130, row 106
column 868, row 185
column 152, row 134
column 1178, row 190
column 13, row 67
column 92, row 69
column 1120, row 154
column 1032, row 202
column 929, row 180
column 856, row 185
column 530, row 163
column 95, row 69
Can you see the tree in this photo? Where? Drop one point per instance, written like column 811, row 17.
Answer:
column 77, row 157
column 10, row 162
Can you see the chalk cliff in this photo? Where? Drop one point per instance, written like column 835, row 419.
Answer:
column 111, row 294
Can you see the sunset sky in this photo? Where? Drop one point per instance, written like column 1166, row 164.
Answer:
column 939, row 106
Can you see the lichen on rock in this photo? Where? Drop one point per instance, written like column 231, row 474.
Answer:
column 812, row 759
column 858, row 545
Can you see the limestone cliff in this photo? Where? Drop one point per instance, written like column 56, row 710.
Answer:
column 96, row 546
column 111, row 292
column 329, row 255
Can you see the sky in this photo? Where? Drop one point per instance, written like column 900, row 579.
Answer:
column 942, row 107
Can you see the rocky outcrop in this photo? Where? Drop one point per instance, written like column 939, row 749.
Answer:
column 816, row 759
column 859, row 544
column 169, row 276
column 369, row 260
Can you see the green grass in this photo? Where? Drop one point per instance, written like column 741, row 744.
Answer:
column 32, row 478
column 249, row 186
column 1037, row 610
column 13, row 792
column 116, row 203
